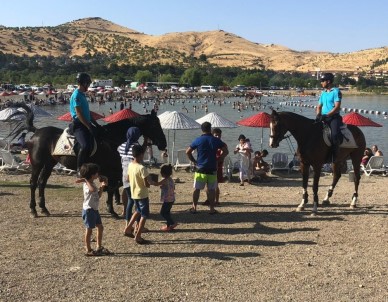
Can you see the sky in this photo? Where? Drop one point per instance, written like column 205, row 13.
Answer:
column 336, row 26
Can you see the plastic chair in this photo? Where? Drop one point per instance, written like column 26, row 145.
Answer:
column 280, row 162
column 11, row 164
column 375, row 164
column 182, row 160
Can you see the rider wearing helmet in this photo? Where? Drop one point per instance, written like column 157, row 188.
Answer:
column 81, row 126
column 328, row 110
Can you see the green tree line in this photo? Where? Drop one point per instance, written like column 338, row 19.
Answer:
column 60, row 71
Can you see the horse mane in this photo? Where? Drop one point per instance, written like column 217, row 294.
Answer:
column 295, row 115
column 26, row 123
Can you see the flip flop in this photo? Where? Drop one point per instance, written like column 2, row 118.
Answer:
column 192, row 211
column 129, row 235
column 103, row 251
column 142, row 241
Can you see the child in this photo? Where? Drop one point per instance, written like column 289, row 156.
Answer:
column 90, row 214
column 139, row 181
column 367, row 155
column 167, row 196
column 244, row 150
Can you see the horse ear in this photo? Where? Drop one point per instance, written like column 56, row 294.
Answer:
column 153, row 112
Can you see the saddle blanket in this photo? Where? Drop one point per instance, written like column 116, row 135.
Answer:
column 65, row 145
column 348, row 141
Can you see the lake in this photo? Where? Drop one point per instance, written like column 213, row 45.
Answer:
column 183, row 138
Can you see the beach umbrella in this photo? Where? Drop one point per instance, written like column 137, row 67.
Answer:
column 38, row 111
column 357, row 119
column 260, row 120
column 121, row 115
column 177, row 121
column 216, row 120
column 67, row 116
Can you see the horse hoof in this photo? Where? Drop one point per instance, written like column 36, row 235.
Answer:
column 34, row 214
column 313, row 214
column 300, row 209
column 114, row 215
column 353, row 206
column 45, row 212
column 326, row 203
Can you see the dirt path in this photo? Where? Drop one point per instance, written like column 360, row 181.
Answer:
column 257, row 249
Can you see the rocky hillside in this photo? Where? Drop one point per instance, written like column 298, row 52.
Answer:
column 124, row 45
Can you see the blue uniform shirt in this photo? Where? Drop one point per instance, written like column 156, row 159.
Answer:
column 78, row 99
column 329, row 98
column 207, row 146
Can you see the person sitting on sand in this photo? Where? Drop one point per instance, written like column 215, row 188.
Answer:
column 367, row 155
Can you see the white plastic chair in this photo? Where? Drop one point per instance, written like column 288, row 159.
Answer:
column 182, row 161
column 375, row 164
column 11, row 164
column 280, row 162
column 61, row 169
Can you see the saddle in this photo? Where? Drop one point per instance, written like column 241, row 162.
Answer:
column 348, row 139
column 65, row 145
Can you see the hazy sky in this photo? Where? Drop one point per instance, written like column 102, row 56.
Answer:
column 335, row 26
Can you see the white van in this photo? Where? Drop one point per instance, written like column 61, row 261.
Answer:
column 207, row 88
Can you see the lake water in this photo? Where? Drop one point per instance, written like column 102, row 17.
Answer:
column 183, row 138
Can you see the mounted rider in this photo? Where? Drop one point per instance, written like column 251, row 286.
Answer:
column 81, row 126
column 328, row 110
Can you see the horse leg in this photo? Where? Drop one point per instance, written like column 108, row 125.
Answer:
column 317, row 175
column 336, row 177
column 45, row 174
column 109, row 204
column 357, row 177
column 305, row 169
column 33, row 185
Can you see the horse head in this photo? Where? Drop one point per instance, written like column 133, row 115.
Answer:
column 277, row 130
column 148, row 124
column 151, row 128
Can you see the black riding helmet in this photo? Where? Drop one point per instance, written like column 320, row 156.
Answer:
column 83, row 79
column 327, row 77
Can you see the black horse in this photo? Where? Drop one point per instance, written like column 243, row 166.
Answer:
column 109, row 137
column 313, row 151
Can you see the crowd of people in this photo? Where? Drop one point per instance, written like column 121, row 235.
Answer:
column 211, row 152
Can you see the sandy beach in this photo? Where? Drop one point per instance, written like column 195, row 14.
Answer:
column 256, row 249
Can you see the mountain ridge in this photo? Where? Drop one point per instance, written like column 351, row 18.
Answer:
column 95, row 35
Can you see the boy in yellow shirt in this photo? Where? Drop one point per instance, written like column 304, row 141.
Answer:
column 139, row 181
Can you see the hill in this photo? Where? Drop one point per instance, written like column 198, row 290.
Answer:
column 124, row 45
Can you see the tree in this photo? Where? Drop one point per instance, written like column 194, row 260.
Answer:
column 143, row 76
column 191, row 76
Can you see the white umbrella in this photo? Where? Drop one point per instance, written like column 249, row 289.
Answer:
column 7, row 112
column 216, row 120
column 37, row 110
column 177, row 121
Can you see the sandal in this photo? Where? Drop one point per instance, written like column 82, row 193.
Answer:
column 192, row 211
column 91, row 253
column 142, row 241
column 165, row 228
column 103, row 252
column 129, row 235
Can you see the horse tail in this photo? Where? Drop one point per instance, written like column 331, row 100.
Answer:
column 26, row 120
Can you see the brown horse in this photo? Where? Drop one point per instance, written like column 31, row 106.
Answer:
column 108, row 138
column 313, row 151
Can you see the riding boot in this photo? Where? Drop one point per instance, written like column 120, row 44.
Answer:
column 81, row 159
column 334, row 152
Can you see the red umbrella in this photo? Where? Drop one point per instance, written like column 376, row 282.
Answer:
column 67, row 116
column 260, row 120
column 357, row 119
column 121, row 115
